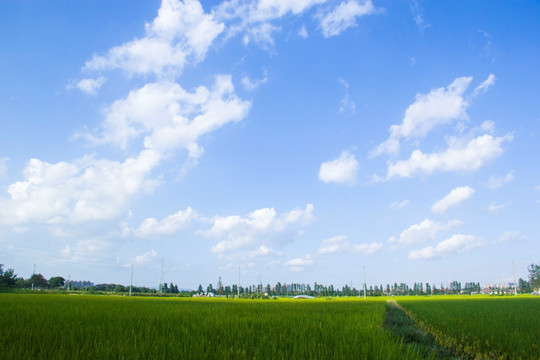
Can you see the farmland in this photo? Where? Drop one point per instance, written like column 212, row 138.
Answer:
column 485, row 328
column 117, row 327
column 108, row 327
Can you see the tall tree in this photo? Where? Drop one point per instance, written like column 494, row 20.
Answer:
column 534, row 276
column 7, row 278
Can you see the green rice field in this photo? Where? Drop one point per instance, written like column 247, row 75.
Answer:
column 113, row 327
column 108, row 327
column 483, row 327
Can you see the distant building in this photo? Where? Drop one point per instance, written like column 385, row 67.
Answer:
column 80, row 284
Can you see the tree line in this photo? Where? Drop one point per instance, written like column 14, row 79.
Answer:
column 9, row 280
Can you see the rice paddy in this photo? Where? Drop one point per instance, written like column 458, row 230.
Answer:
column 114, row 327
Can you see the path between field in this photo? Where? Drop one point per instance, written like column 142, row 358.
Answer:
column 402, row 326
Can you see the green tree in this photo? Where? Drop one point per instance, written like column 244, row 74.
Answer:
column 524, row 286
column 56, row 282
column 534, row 276
column 7, row 278
column 39, row 281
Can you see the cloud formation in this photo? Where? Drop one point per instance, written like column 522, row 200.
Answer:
column 341, row 244
column 342, row 170
column 343, row 16
column 459, row 156
column 181, row 33
column 259, row 227
column 171, row 224
column 425, row 230
column 496, row 182
column 438, row 107
column 457, row 243
column 88, row 86
column 454, row 198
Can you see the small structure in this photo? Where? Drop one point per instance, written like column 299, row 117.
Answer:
column 303, row 297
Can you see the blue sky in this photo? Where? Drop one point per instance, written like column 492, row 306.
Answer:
column 299, row 139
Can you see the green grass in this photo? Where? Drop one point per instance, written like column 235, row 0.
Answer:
column 107, row 327
column 481, row 327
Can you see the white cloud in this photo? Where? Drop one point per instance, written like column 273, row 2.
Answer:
column 303, row 33
column 455, row 197
column 398, row 205
column 495, row 182
column 342, row 170
column 169, row 225
column 88, row 86
column 169, row 117
column 425, row 230
column 259, row 227
column 457, row 243
column 344, row 16
column 459, row 156
column 86, row 251
column 180, row 32
column 86, row 190
column 300, row 264
column 483, row 87
column 146, row 258
column 251, row 85
column 495, row 207
column 89, row 189
column 440, row 106
column 341, row 244
column 510, row 236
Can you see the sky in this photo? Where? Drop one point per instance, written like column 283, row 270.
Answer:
column 296, row 140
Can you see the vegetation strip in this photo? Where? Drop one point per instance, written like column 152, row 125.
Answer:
column 403, row 326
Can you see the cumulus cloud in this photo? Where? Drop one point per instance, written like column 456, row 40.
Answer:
column 425, row 230
column 300, row 264
column 440, row 106
column 86, row 190
column 457, row 243
column 341, row 244
column 259, row 227
column 510, row 236
column 169, row 225
column 88, row 86
column 459, row 156
column 495, row 182
column 455, row 197
column 166, row 116
column 169, row 117
column 342, row 170
column 398, row 205
column 343, row 16
column 180, row 33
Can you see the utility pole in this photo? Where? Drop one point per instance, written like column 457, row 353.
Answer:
column 131, row 283
column 515, row 285
column 161, row 277
column 365, row 288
